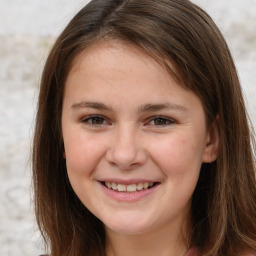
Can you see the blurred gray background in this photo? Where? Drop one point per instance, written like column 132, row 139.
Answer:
column 27, row 30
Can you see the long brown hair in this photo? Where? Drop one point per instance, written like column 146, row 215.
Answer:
column 223, row 212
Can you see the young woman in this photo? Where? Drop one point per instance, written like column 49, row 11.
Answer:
column 142, row 144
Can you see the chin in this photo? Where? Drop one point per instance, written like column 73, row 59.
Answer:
column 127, row 229
column 127, row 225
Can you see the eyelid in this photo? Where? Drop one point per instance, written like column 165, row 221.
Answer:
column 87, row 118
column 169, row 120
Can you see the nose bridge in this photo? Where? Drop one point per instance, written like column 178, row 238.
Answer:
column 126, row 150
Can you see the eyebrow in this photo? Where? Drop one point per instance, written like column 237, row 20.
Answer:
column 157, row 107
column 88, row 104
column 141, row 109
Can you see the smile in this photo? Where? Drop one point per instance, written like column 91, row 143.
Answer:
column 129, row 188
column 128, row 191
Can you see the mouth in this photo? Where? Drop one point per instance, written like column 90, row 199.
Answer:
column 129, row 188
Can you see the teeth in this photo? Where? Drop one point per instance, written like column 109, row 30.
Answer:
column 108, row 184
column 129, row 188
column 114, row 186
column 145, row 185
column 121, row 187
column 140, row 186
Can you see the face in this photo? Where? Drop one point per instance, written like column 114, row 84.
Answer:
column 134, row 139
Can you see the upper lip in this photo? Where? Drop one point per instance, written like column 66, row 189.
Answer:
column 128, row 181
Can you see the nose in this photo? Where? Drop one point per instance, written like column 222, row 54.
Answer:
column 126, row 150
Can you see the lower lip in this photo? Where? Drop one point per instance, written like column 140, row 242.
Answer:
column 128, row 196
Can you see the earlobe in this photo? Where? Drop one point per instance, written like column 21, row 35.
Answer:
column 211, row 150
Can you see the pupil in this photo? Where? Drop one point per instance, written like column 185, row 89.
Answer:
column 160, row 121
column 97, row 120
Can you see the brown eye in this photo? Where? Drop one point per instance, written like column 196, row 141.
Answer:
column 95, row 120
column 160, row 121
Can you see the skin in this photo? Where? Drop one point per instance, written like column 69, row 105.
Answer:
column 146, row 127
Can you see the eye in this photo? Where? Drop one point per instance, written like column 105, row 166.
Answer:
column 160, row 121
column 95, row 120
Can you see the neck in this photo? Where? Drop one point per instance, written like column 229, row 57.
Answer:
column 162, row 242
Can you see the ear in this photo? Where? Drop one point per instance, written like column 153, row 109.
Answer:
column 64, row 154
column 211, row 150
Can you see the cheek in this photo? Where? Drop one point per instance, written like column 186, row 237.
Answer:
column 83, row 153
column 178, row 156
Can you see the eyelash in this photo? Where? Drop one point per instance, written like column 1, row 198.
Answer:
column 89, row 121
column 167, row 121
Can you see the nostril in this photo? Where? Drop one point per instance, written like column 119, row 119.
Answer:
column 126, row 156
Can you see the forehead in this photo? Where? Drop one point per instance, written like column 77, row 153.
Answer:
column 116, row 64
column 109, row 53
column 114, row 59
column 121, row 75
